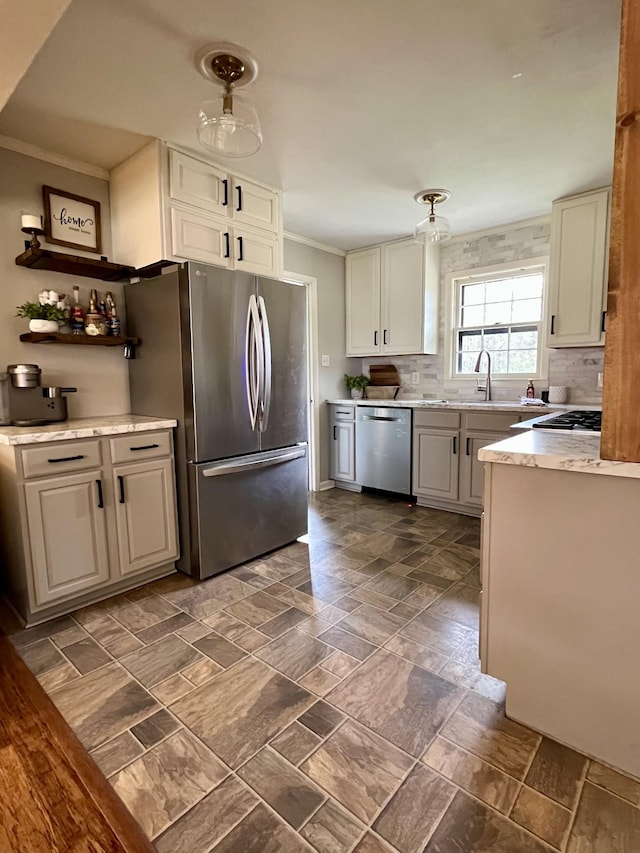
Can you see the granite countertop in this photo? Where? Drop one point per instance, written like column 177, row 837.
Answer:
column 559, row 451
column 479, row 406
column 83, row 428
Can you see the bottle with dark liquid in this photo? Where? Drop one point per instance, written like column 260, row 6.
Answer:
column 112, row 316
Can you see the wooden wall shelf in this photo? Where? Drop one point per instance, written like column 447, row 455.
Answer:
column 45, row 259
column 78, row 340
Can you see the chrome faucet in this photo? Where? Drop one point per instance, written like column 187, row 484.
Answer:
column 487, row 384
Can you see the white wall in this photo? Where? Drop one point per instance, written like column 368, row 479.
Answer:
column 99, row 373
column 577, row 368
column 328, row 269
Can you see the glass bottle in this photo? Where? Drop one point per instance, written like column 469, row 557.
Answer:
column 77, row 313
column 113, row 319
column 94, row 323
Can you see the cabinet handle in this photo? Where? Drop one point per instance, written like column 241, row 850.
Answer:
column 66, row 459
column 225, row 184
column 340, row 412
column 335, row 437
column 239, row 188
column 227, row 245
column 468, row 451
column 384, row 337
column 603, row 325
column 100, row 495
column 553, row 324
column 145, row 447
column 240, row 249
column 375, row 338
column 455, row 445
column 121, row 488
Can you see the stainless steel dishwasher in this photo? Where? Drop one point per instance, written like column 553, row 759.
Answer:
column 383, row 448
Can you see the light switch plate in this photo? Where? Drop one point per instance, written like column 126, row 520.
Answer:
column 326, row 361
column 600, row 377
column 415, row 378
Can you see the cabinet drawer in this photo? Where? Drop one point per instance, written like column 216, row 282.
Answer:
column 140, row 445
column 61, row 458
column 343, row 413
column 440, row 420
column 490, row 421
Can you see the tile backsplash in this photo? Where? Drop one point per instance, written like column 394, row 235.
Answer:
column 577, row 368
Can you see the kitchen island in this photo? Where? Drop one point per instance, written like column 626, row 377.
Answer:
column 560, row 590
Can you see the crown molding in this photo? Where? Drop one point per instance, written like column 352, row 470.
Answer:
column 307, row 241
column 499, row 229
column 29, row 150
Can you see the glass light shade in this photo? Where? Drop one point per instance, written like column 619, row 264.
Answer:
column 433, row 229
column 235, row 133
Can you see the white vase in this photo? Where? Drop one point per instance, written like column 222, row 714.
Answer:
column 43, row 325
column 356, row 394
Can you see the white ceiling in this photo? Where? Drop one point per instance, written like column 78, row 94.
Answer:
column 363, row 102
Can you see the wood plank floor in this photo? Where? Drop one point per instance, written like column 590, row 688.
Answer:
column 53, row 799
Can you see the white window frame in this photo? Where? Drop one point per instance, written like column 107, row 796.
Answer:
column 453, row 282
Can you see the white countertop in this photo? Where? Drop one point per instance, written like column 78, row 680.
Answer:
column 83, row 428
column 559, row 451
column 480, row 406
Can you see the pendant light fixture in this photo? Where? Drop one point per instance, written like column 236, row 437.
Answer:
column 433, row 229
column 229, row 125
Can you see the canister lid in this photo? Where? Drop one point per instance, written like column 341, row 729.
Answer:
column 23, row 368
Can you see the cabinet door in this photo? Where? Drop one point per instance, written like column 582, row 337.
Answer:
column 68, row 536
column 363, row 302
column 256, row 253
column 200, row 238
column 255, row 205
column 145, row 515
column 577, row 272
column 343, row 457
column 402, row 297
column 472, row 471
column 198, row 184
column 435, row 463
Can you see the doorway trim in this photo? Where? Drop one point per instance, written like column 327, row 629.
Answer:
column 310, row 283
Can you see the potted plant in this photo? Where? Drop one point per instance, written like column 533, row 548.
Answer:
column 42, row 318
column 356, row 384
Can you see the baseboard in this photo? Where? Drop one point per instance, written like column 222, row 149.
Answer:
column 325, row 485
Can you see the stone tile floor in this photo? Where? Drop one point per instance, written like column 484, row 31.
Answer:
column 327, row 697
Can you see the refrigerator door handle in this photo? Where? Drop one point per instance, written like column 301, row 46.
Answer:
column 266, row 349
column 251, row 464
column 255, row 369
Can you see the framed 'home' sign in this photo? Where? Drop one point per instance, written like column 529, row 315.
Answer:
column 71, row 220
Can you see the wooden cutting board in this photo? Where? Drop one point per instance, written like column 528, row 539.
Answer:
column 384, row 374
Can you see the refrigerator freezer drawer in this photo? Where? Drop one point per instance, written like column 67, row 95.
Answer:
column 248, row 506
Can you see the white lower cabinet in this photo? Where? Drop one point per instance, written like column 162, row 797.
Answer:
column 472, row 470
column 435, row 463
column 145, row 514
column 447, row 473
column 68, row 535
column 342, row 451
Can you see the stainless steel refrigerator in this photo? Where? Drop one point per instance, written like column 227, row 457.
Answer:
column 225, row 354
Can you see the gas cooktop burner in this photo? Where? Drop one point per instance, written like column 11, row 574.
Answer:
column 578, row 420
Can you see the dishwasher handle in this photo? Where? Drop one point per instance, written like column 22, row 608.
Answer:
column 381, row 418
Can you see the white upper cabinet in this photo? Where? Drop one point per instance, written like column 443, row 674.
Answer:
column 168, row 205
column 578, row 274
column 198, row 184
column 363, row 302
column 392, row 299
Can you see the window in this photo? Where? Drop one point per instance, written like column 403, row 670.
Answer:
column 500, row 311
